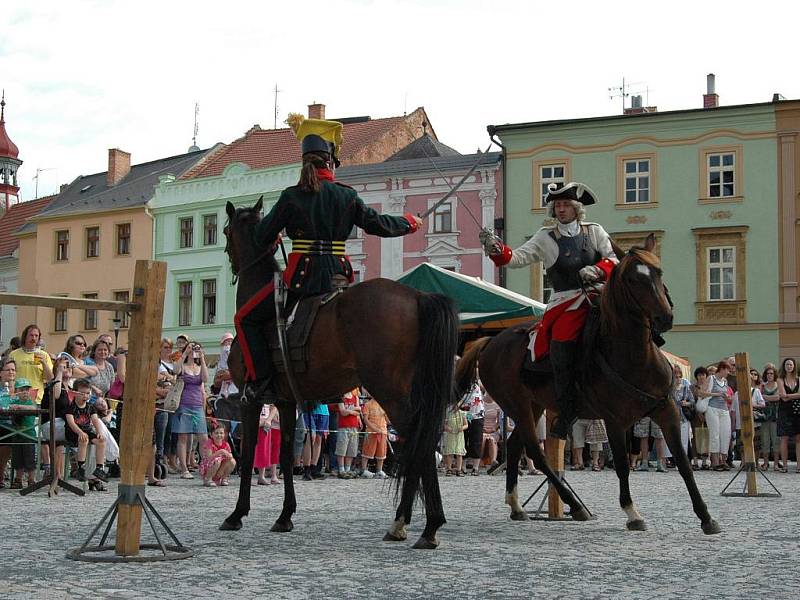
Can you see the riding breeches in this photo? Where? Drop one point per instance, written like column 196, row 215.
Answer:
column 251, row 322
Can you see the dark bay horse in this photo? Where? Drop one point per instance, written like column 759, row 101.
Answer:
column 397, row 342
column 634, row 383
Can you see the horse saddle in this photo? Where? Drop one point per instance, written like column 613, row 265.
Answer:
column 298, row 329
column 587, row 343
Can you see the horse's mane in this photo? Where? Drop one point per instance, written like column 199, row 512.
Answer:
column 247, row 227
column 616, row 297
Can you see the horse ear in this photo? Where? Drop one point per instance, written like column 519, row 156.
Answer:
column 650, row 242
column 230, row 209
column 259, row 204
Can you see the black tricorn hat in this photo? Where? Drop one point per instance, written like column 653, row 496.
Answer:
column 570, row 191
column 315, row 143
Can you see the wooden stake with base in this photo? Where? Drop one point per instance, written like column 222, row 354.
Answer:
column 748, row 465
column 554, row 451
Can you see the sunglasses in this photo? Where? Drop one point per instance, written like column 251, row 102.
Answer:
column 77, row 343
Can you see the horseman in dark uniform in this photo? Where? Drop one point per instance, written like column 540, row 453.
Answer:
column 573, row 251
column 318, row 215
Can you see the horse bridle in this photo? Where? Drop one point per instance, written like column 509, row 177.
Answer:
column 236, row 271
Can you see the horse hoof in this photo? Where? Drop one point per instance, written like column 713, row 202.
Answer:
column 520, row 516
column 390, row 537
column 282, row 527
column 711, row 527
column 581, row 514
column 636, row 525
column 424, row 543
column 231, row 526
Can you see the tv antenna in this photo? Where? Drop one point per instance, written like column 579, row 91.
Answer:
column 624, row 91
column 275, row 105
column 196, row 124
column 36, row 179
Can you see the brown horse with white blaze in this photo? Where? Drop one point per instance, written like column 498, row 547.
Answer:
column 624, row 378
column 397, row 342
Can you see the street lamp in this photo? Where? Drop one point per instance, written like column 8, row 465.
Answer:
column 117, row 322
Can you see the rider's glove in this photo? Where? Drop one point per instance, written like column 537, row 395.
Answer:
column 591, row 274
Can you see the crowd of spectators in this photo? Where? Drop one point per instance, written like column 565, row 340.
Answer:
column 344, row 438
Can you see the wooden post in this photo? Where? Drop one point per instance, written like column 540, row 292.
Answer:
column 136, row 440
column 554, row 450
column 743, row 384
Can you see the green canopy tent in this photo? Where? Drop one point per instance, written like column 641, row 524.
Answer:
column 481, row 305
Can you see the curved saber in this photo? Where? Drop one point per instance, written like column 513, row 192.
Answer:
column 454, row 189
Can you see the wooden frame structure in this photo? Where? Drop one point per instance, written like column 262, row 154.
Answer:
column 147, row 311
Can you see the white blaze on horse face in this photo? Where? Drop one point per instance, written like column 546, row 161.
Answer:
column 644, row 270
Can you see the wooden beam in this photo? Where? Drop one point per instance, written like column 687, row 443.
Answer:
column 136, row 440
column 743, row 385
column 554, row 449
column 65, row 302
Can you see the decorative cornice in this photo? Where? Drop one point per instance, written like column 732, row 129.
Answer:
column 636, row 220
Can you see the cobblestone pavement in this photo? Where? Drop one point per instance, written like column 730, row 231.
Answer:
column 336, row 550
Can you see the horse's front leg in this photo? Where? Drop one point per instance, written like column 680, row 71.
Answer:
column 669, row 421
column 250, row 416
column 616, row 439
column 288, row 416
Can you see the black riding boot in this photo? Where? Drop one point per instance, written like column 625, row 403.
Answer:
column 563, row 357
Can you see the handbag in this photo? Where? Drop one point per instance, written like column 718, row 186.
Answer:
column 701, row 440
column 701, row 405
column 173, row 399
column 116, row 389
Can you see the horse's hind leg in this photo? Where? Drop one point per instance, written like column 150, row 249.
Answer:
column 408, row 490
column 616, row 439
column 513, row 454
column 288, row 416
column 250, row 415
column 669, row 422
column 434, row 512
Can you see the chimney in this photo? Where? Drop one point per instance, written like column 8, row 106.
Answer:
column 710, row 98
column 316, row 111
column 636, row 107
column 119, row 165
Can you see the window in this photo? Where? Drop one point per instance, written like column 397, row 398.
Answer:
column 443, row 218
column 637, row 181
column 185, row 303
column 721, row 174
column 90, row 315
column 549, row 174
column 187, row 232
column 209, row 301
column 60, row 323
column 721, row 171
column 721, row 273
column 209, row 230
column 123, row 239
column 92, row 242
column 62, row 245
column 547, row 287
column 123, row 296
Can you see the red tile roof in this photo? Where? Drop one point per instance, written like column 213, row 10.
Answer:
column 15, row 217
column 262, row 148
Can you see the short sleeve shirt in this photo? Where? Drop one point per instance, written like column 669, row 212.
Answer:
column 31, row 369
column 82, row 415
column 373, row 413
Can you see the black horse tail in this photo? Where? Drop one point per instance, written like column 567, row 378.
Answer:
column 466, row 371
column 432, row 386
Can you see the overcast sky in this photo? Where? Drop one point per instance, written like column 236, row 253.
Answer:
column 82, row 77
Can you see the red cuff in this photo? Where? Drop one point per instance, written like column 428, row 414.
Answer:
column 503, row 258
column 606, row 266
column 412, row 223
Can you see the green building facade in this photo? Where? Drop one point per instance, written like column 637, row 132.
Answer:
column 189, row 216
column 714, row 187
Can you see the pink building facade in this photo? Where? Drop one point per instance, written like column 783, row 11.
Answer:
column 449, row 237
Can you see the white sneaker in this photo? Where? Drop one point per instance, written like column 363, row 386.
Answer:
column 381, row 475
column 367, row 475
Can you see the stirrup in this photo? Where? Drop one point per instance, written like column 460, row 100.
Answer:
column 255, row 391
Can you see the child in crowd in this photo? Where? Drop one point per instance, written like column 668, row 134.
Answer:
column 453, row 447
column 347, row 436
column 23, row 455
column 82, row 427
column 269, row 445
column 218, row 461
column 375, row 446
